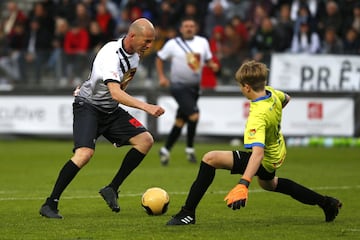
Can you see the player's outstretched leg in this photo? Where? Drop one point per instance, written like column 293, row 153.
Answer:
column 329, row 205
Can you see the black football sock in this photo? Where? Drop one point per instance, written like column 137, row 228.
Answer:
column 299, row 192
column 173, row 137
column 66, row 175
column 191, row 131
column 132, row 159
column 204, row 179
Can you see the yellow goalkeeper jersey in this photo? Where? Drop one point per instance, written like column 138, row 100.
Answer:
column 263, row 128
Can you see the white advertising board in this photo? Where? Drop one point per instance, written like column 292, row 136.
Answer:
column 226, row 116
column 309, row 73
column 219, row 116
column 43, row 114
column 319, row 117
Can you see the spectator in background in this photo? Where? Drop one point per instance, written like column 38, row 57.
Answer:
column 256, row 15
column 265, row 42
column 96, row 38
column 284, row 27
column 134, row 11
column 240, row 28
column 17, row 39
column 166, row 15
column 5, row 61
column 141, row 8
column 278, row 4
column 239, row 8
column 76, row 46
column 45, row 20
column 355, row 23
column 230, row 51
column 216, row 41
column 351, row 42
column 149, row 56
column 266, row 5
column 111, row 7
column 105, row 21
column 226, row 4
column 332, row 17
column 216, row 16
column 15, row 45
column 306, row 40
column 331, row 43
column 82, row 16
column 347, row 8
column 304, row 15
column 209, row 77
column 36, row 52
column 13, row 16
column 243, row 33
column 66, row 9
column 122, row 23
column 311, row 5
column 191, row 10
column 56, row 59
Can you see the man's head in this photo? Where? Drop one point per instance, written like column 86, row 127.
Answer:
column 140, row 36
column 188, row 28
column 252, row 75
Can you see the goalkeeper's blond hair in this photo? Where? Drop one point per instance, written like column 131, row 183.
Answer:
column 254, row 74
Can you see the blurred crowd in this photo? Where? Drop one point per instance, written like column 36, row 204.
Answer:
column 51, row 43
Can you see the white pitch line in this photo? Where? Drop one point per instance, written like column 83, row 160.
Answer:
column 351, row 230
column 170, row 193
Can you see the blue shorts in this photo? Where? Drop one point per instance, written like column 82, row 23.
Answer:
column 89, row 123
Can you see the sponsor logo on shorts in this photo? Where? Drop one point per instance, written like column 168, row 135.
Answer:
column 135, row 123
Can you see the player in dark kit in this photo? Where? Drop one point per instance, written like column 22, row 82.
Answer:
column 96, row 112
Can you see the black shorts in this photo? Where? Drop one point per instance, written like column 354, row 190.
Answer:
column 241, row 160
column 89, row 123
column 186, row 97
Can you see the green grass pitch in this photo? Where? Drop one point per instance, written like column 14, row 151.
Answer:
column 28, row 169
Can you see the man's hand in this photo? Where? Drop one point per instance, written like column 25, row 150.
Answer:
column 237, row 197
column 163, row 81
column 154, row 110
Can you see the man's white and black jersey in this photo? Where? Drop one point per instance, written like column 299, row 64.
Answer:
column 187, row 58
column 111, row 64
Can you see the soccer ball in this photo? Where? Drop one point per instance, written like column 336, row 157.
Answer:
column 155, row 201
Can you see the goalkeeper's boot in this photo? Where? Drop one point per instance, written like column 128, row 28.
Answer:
column 164, row 156
column 331, row 208
column 49, row 209
column 190, row 153
column 110, row 196
column 184, row 217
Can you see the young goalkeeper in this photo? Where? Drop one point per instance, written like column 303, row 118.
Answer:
column 267, row 153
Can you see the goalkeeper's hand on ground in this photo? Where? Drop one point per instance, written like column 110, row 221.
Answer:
column 237, row 197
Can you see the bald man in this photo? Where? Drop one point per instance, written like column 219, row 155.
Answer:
column 97, row 113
